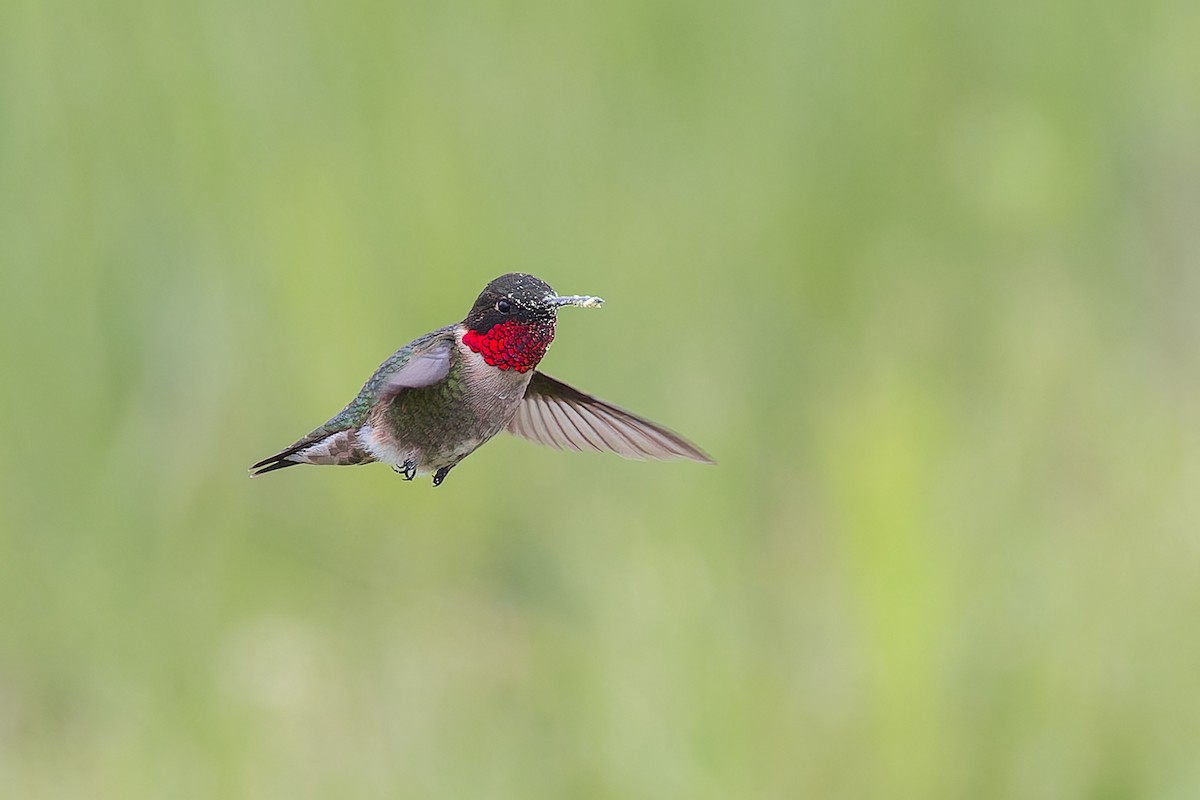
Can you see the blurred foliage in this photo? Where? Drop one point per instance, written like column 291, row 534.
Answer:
column 923, row 276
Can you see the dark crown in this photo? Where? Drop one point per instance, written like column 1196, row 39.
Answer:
column 513, row 295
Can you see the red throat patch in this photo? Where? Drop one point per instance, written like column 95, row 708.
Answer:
column 512, row 345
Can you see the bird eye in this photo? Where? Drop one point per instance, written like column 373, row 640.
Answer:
column 504, row 306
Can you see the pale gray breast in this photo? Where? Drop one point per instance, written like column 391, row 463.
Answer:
column 494, row 394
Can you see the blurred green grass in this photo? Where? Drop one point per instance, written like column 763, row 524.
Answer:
column 921, row 276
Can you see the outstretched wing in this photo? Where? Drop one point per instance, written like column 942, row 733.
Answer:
column 555, row 415
column 422, row 362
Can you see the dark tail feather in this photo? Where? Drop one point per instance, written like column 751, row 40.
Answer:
column 319, row 447
column 279, row 460
column 271, row 464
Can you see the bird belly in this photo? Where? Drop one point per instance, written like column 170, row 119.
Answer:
column 440, row 425
column 429, row 454
column 383, row 447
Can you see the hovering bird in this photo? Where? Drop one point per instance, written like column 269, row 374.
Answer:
column 438, row 398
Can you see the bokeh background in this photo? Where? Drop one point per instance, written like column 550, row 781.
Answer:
column 923, row 276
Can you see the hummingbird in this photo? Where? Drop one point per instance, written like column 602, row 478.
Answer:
column 440, row 397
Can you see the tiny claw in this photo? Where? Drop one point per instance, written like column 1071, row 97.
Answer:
column 408, row 470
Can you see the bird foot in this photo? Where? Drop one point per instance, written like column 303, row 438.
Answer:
column 408, row 469
column 441, row 474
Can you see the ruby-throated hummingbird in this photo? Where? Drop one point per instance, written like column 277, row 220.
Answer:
column 441, row 396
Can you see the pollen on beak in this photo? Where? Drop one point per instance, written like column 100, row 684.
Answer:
column 581, row 300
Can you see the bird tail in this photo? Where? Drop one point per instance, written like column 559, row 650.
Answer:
column 321, row 447
column 278, row 461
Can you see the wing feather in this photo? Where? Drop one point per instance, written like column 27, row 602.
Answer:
column 557, row 415
column 424, row 367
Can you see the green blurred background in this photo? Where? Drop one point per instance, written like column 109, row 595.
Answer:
column 922, row 276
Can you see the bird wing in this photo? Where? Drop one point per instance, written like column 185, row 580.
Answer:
column 422, row 362
column 556, row 415
column 425, row 363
